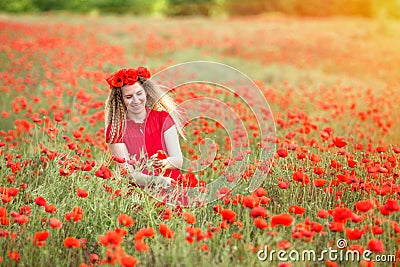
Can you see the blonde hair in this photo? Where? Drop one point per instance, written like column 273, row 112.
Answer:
column 156, row 98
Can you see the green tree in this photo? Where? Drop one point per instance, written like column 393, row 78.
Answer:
column 17, row 6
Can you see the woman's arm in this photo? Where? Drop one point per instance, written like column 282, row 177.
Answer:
column 120, row 150
column 175, row 158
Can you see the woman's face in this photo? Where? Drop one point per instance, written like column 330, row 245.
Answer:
column 134, row 98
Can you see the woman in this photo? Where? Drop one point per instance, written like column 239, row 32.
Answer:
column 141, row 121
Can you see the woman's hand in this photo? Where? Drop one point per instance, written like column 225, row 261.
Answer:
column 160, row 160
column 161, row 164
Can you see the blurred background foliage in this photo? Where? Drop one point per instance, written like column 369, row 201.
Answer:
column 364, row 8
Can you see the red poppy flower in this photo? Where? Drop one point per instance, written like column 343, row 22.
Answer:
column 6, row 198
column 111, row 238
column 283, row 185
column 94, row 258
column 258, row 211
column 301, row 177
column 118, row 79
column 121, row 232
column 13, row 255
column 21, row 219
column 259, row 192
column 142, row 71
column 125, row 220
column 326, row 133
column 58, row 117
column 3, row 212
column 141, row 246
column 12, row 191
column 132, row 75
column 351, row 163
column 376, row 230
column 339, row 142
column 103, row 172
column 40, row 237
column 319, row 182
column 376, row 245
column 118, row 159
column 161, row 155
column 71, row 242
column 110, row 81
column 384, row 210
column 364, row 205
column 260, row 223
column 284, row 244
column 367, row 263
column 356, row 218
column 41, row 201
column 25, row 210
column 249, row 201
column 190, row 180
column 316, row 227
column 189, row 218
column 354, row 234
column 330, row 263
column 237, row 236
column 128, row 261
column 55, row 223
column 296, row 210
column 81, row 193
column 282, row 219
column 76, row 214
column 204, row 247
column 392, row 205
column 282, row 153
column 145, row 232
column 165, row 231
column 341, row 214
column 166, row 214
column 228, row 215
column 336, row 226
column 50, row 208
column 319, row 170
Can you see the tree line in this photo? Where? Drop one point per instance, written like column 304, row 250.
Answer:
column 364, row 8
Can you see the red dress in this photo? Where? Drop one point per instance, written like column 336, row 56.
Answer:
column 147, row 137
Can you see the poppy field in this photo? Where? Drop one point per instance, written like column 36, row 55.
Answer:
column 332, row 85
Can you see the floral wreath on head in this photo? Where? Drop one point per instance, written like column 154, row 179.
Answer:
column 127, row 77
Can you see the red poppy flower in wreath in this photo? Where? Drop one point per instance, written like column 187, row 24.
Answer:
column 142, row 71
column 131, row 76
column 118, row 79
column 127, row 77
